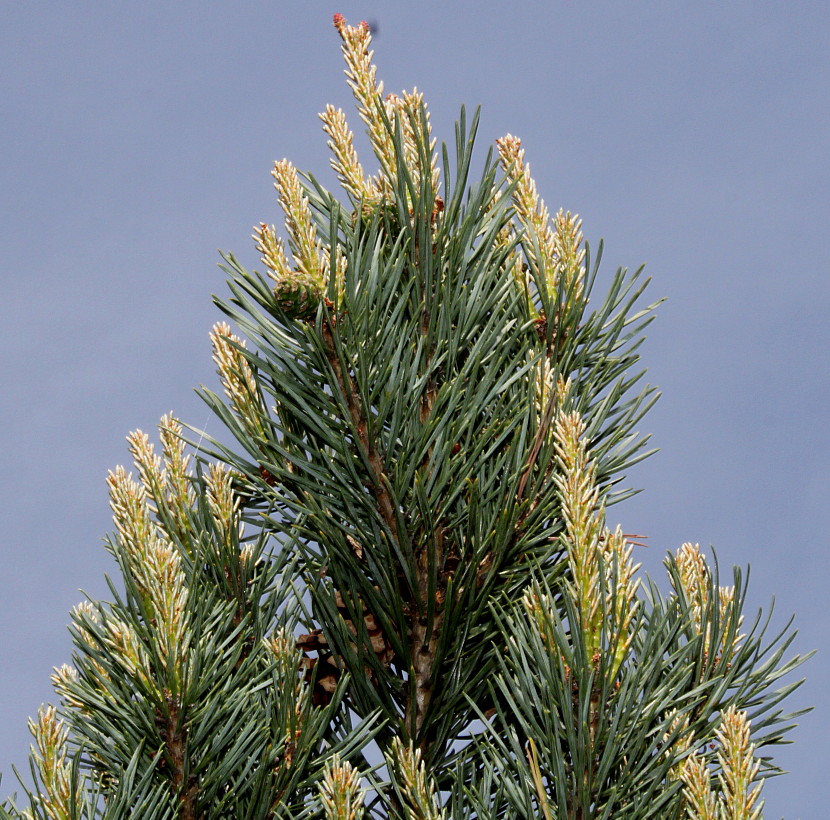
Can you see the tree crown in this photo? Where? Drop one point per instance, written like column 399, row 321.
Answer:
column 397, row 592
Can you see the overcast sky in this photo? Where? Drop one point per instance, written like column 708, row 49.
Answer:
column 137, row 138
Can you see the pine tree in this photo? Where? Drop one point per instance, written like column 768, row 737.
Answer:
column 396, row 595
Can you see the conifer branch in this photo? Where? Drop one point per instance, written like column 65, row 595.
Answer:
column 59, row 800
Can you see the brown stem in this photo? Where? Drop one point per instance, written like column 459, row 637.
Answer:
column 539, row 440
column 423, row 640
column 425, row 633
column 174, row 736
column 423, row 644
column 348, row 388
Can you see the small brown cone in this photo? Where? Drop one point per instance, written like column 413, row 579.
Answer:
column 327, row 666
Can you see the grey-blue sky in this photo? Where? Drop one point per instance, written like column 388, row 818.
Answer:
column 694, row 137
